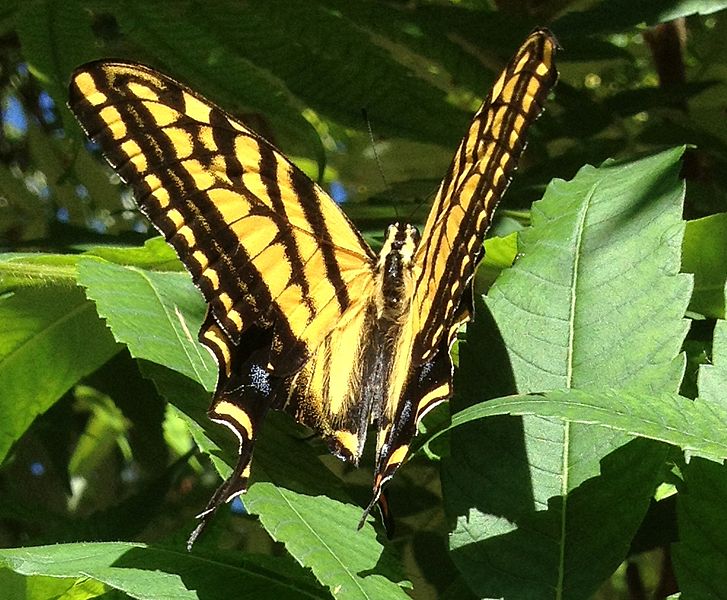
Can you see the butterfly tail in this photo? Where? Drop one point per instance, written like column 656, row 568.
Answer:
column 245, row 393
column 234, row 485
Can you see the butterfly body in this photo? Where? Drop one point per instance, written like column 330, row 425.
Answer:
column 302, row 315
column 348, row 373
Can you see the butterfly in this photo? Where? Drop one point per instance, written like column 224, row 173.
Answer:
column 302, row 315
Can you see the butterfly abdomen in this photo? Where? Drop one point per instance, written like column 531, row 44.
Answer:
column 344, row 385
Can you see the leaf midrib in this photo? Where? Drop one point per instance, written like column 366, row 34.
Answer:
column 568, row 383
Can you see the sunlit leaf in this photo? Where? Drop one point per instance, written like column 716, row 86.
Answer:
column 594, row 299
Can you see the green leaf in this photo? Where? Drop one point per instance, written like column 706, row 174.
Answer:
column 685, row 8
column 55, row 39
column 156, row 254
column 500, row 253
column 36, row 269
column 321, row 533
column 598, row 281
column 54, row 331
column 38, row 587
column 595, row 300
column 212, row 65
column 319, row 71
column 422, row 38
column 299, row 502
column 306, row 509
column 156, row 314
column 619, row 15
column 693, row 426
column 712, row 377
column 20, row 269
column 191, row 400
column 700, row 556
column 149, row 573
column 705, row 255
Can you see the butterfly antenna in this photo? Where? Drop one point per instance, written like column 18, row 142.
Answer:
column 365, row 115
column 423, row 201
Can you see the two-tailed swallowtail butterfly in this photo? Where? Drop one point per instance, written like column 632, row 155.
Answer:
column 302, row 315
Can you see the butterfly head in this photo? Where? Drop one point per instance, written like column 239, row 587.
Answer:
column 401, row 239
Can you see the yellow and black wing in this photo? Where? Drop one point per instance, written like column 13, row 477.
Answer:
column 452, row 244
column 273, row 255
column 261, row 240
column 477, row 178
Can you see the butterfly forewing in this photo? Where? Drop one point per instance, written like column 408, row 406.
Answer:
column 477, row 178
column 261, row 240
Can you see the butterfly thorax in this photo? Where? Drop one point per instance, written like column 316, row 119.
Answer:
column 394, row 270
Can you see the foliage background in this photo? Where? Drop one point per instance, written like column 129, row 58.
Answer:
column 545, row 505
